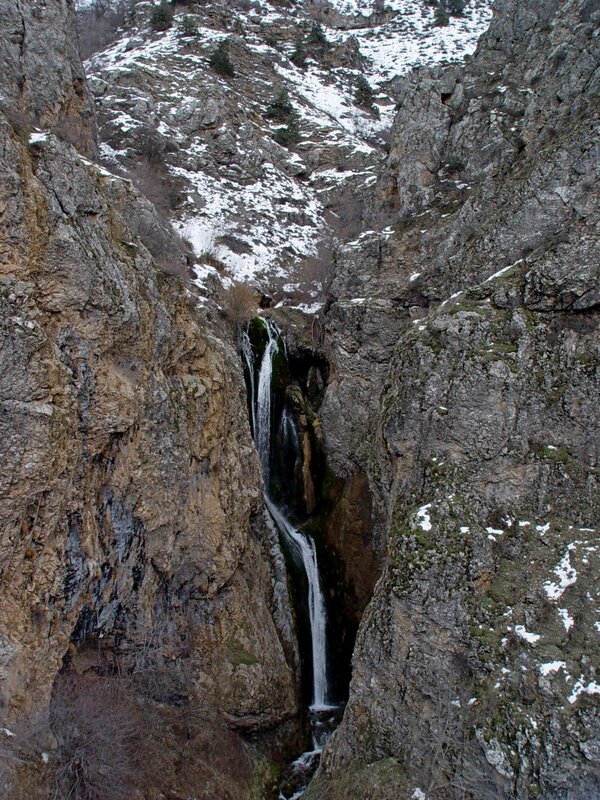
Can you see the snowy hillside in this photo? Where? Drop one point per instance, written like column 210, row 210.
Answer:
column 265, row 168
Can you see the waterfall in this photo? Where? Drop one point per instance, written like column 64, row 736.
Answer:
column 304, row 547
column 301, row 545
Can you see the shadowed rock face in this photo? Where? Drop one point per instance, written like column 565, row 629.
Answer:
column 41, row 77
column 464, row 371
column 131, row 523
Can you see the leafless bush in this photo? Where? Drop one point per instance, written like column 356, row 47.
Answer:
column 315, row 272
column 98, row 23
column 240, row 303
column 9, row 758
column 348, row 221
column 157, row 185
column 98, row 733
column 150, row 145
column 22, row 122
column 442, row 749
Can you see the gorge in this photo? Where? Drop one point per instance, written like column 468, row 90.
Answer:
column 300, row 443
column 300, row 547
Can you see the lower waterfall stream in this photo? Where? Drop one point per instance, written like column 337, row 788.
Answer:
column 323, row 713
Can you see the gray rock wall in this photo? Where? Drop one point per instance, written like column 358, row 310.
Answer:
column 464, row 347
column 131, row 527
column 41, row 77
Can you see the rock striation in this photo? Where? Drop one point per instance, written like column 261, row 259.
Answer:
column 464, row 352
column 132, row 525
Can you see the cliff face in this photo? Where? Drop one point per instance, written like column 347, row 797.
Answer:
column 460, row 411
column 41, row 77
column 131, row 522
column 469, row 331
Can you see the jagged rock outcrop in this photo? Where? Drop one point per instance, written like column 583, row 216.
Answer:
column 131, row 524
column 469, row 331
column 41, row 76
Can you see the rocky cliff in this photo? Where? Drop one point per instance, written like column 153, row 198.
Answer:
column 468, row 333
column 133, row 541
column 447, row 391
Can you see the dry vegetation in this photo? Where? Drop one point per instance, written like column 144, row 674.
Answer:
column 240, row 303
column 120, row 728
column 98, row 23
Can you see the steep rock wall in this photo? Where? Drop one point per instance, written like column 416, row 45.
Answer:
column 41, row 76
column 464, row 354
column 131, row 525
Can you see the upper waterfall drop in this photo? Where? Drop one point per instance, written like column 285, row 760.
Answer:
column 300, row 544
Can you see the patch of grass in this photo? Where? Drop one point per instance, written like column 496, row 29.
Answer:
column 558, row 453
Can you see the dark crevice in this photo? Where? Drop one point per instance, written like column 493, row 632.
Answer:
column 335, row 514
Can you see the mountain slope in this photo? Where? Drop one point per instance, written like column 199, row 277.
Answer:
column 254, row 209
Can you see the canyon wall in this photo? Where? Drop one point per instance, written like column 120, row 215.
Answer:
column 464, row 352
column 132, row 521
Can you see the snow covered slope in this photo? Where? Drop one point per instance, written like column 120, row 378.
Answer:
column 264, row 194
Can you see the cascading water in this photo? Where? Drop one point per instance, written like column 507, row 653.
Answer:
column 301, row 545
column 304, row 548
column 323, row 715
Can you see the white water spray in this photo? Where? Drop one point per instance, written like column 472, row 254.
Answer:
column 304, row 547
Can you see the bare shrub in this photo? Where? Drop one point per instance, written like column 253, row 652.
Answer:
column 98, row 733
column 21, row 122
column 315, row 272
column 158, row 186
column 9, row 759
column 98, row 22
column 443, row 750
column 150, row 145
column 240, row 304
column 348, row 219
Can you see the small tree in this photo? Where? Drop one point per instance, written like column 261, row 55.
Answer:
column 440, row 17
column 280, row 109
column 364, row 95
column 162, row 17
column 220, row 61
column 289, row 135
column 188, row 27
column 298, row 57
column 316, row 36
column 456, row 8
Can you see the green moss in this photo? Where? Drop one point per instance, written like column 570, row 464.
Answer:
column 238, row 656
column 556, row 394
column 266, row 779
column 558, row 454
column 257, row 331
column 586, row 359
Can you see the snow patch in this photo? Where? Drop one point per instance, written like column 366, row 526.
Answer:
column 567, row 575
column 552, row 666
column 38, row 137
column 528, row 636
column 423, row 518
column 581, row 687
column 566, row 618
